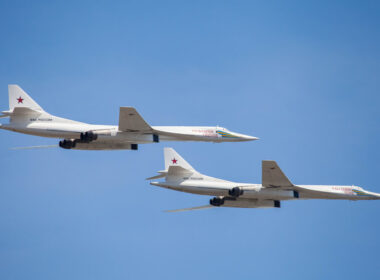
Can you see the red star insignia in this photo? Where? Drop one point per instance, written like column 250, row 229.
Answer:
column 174, row 161
column 19, row 100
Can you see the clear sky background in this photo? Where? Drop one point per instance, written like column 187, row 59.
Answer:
column 304, row 77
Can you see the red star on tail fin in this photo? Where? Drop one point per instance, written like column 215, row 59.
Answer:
column 174, row 161
column 20, row 100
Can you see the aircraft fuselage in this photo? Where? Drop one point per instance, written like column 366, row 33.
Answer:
column 109, row 136
column 257, row 191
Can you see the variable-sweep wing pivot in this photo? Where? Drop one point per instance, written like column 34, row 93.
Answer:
column 131, row 121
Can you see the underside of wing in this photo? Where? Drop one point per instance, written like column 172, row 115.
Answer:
column 190, row 208
column 131, row 121
column 35, row 147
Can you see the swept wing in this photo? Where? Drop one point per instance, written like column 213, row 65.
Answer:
column 131, row 121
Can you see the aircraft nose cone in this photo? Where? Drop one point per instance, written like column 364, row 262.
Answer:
column 229, row 136
column 251, row 138
column 243, row 137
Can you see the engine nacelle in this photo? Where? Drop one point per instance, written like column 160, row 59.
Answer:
column 217, row 201
column 235, row 192
column 88, row 136
column 67, row 144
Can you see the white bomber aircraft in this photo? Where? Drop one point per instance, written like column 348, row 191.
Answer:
column 26, row 116
column 181, row 176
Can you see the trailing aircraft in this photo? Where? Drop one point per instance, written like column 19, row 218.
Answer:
column 275, row 186
column 27, row 117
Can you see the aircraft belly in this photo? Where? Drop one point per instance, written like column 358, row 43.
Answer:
column 133, row 137
column 273, row 194
column 201, row 138
column 45, row 132
column 196, row 189
column 327, row 195
column 202, row 191
column 187, row 137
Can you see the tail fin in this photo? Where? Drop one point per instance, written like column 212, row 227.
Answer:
column 175, row 166
column 19, row 98
column 172, row 158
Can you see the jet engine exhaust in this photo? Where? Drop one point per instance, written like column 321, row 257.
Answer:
column 67, row 144
column 216, row 201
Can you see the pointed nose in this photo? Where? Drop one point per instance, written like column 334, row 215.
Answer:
column 243, row 137
column 374, row 195
column 250, row 138
column 229, row 136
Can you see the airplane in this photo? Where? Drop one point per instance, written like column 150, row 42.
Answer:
column 27, row 117
column 275, row 186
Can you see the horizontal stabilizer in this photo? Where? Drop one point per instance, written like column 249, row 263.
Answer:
column 176, row 171
column 273, row 177
column 157, row 176
column 18, row 111
column 131, row 121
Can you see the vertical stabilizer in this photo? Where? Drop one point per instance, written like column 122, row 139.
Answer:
column 172, row 158
column 19, row 98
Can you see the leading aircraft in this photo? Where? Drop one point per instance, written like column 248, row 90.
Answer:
column 275, row 186
column 27, row 117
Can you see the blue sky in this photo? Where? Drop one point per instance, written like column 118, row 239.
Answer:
column 304, row 77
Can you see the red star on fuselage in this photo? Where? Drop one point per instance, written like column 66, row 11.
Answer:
column 20, row 100
column 174, row 161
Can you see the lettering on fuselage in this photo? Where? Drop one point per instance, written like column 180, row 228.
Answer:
column 192, row 178
column 205, row 132
column 346, row 190
column 41, row 119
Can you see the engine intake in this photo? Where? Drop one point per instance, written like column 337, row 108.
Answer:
column 235, row 192
column 217, row 201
